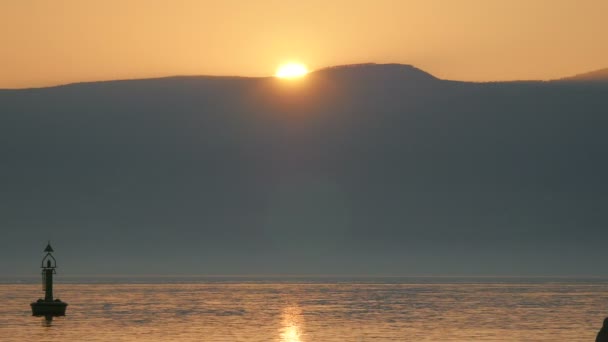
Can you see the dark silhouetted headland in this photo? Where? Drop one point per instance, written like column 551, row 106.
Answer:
column 366, row 169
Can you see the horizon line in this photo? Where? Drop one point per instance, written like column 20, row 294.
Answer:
column 327, row 68
column 322, row 275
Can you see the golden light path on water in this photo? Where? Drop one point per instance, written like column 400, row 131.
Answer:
column 310, row 312
column 292, row 320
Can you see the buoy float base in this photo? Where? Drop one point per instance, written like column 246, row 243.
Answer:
column 44, row 308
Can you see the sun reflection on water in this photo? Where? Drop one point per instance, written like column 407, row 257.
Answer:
column 343, row 312
column 291, row 326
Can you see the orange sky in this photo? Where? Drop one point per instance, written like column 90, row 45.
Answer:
column 47, row 42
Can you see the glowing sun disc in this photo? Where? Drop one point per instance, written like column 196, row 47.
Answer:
column 291, row 70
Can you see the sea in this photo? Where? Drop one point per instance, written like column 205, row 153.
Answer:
column 308, row 309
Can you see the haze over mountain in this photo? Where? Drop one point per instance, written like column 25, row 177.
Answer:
column 365, row 169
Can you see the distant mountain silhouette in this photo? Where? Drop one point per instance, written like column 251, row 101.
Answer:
column 378, row 71
column 368, row 169
column 598, row 75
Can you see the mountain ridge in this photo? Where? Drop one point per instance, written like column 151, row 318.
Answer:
column 600, row 75
column 393, row 69
column 339, row 174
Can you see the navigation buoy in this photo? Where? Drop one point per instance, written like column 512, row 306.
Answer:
column 48, row 306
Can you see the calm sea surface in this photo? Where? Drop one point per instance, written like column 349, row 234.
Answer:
column 311, row 310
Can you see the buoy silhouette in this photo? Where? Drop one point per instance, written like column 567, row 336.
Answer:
column 48, row 306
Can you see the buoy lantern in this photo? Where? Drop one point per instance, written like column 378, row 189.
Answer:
column 48, row 306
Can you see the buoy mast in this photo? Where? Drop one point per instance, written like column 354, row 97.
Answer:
column 48, row 269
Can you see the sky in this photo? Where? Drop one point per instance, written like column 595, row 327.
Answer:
column 50, row 42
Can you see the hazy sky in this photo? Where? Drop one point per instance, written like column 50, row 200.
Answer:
column 46, row 42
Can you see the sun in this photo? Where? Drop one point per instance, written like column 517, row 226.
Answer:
column 291, row 70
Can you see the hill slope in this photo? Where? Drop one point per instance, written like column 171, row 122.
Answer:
column 597, row 75
column 362, row 170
